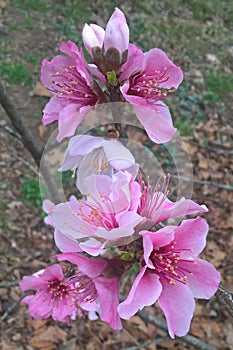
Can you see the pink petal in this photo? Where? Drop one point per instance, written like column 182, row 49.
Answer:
column 154, row 240
column 31, row 282
column 156, row 60
column 130, row 219
column 118, row 155
column 49, row 68
column 133, row 63
column 144, row 292
column 53, row 272
column 66, row 243
column 63, row 219
column 52, row 110
column 83, row 144
column 92, row 68
column 108, row 298
column 92, row 268
column 204, row 280
column 69, row 119
column 156, row 122
column 48, row 206
column 92, row 247
column 114, row 233
column 117, row 32
column 179, row 209
column 191, row 234
column 178, row 305
column 93, row 35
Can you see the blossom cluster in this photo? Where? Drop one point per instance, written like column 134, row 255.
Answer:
column 119, row 222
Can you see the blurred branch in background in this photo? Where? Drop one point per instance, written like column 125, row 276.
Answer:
column 29, row 142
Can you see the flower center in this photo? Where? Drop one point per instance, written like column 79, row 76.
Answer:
column 147, row 85
column 152, row 199
column 83, row 289
column 57, row 289
column 70, row 86
column 98, row 214
column 168, row 263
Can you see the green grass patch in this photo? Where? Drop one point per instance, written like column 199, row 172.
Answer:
column 15, row 73
column 219, row 84
column 31, row 192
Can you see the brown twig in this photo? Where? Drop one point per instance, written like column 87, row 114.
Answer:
column 188, row 339
column 148, row 343
column 30, row 143
column 226, row 299
column 203, row 182
column 9, row 284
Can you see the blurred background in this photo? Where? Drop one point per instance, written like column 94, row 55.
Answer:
column 197, row 36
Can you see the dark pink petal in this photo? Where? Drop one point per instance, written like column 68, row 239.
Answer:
column 53, row 272
column 191, row 234
column 155, row 122
column 93, row 35
column 178, row 305
column 92, row 68
column 179, row 208
column 31, row 282
column 63, row 309
column 144, row 292
column 49, row 68
column 40, row 307
column 133, row 63
column 69, row 119
column 204, row 280
column 66, row 243
column 157, row 60
column 107, row 290
column 92, row 268
column 117, row 32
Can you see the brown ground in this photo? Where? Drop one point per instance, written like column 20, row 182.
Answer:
column 27, row 244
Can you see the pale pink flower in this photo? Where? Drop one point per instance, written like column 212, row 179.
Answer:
column 92, row 290
column 53, row 297
column 74, row 91
column 87, row 155
column 156, row 207
column 146, row 79
column 108, row 48
column 109, row 213
column 172, row 273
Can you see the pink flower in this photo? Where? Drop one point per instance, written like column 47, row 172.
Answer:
column 156, row 207
column 107, row 215
column 74, row 92
column 108, row 48
column 87, row 154
column 53, row 297
column 92, row 290
column 172, row 273
column 146, row 79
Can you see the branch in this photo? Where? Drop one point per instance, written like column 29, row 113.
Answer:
column 143, row 345
column 203, row 182
column 19, row 125
column 226, row 299
column 188, row 339
column 30, row 144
